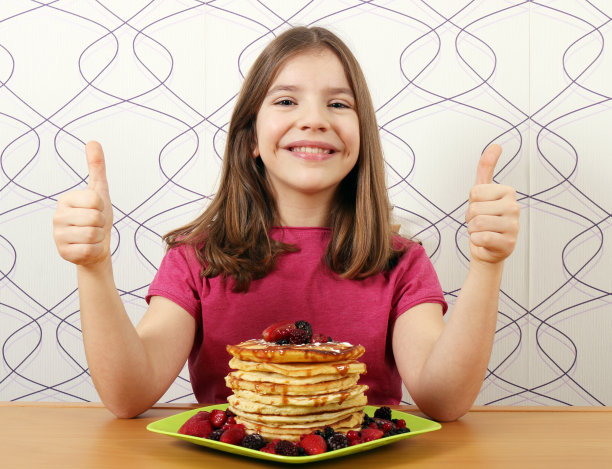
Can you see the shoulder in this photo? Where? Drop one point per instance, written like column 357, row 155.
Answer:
column 182, row 256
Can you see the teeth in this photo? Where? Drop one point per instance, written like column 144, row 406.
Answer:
column 310, row 150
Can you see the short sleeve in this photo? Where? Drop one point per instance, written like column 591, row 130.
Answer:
column 178, row 279
column 416, row 282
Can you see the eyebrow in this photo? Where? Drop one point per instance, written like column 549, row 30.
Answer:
column 291, row 88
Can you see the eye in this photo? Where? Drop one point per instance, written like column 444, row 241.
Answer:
column 339, row 105
column 285, row 102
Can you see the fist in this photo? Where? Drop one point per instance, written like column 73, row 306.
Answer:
column 493, row 213
column 83, row 219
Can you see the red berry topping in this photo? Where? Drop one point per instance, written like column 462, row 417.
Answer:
column 218, row 418
column 401, row 423
column 233, row 435
column 386, row 427
column 352, row 435
column 298, row 336
column 369, row 434
column 278, row 331
column 320, row 338
column 313, row 444
column 198, row 425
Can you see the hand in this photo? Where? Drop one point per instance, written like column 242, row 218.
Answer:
column 493, row 213
column 83, row 219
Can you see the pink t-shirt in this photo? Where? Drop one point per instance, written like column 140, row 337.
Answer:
column 300, row 288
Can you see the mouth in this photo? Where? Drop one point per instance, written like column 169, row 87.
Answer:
column 312, row 150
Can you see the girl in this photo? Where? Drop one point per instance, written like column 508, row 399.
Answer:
column 299, row 230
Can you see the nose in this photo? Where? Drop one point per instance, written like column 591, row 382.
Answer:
column 313, row 117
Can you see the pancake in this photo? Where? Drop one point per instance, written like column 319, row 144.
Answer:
column 262, row 376
column 263, row 387
column 258, row 350
column 285, row 391
column 307, row 401
column 293, row 432
column 247, row 405
column 300, row 369
column 318, row 419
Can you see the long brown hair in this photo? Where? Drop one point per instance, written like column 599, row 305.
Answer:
column 231, row 237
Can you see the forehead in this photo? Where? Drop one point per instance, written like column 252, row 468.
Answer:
column 312, row 67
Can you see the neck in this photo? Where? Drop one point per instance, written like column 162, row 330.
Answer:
column 305, row 211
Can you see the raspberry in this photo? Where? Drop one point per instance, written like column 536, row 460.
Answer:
column 401, row 423
column 286, row 448
column 254, row 441
column 337, row 441
column 313, row 444
column 383, row 413
column 387, row 426
column 352, row 435
column 299, row 336
column 320, row 338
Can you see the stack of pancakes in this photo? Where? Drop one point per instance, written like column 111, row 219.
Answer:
column 284, row 391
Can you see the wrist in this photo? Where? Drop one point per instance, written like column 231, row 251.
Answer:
column 489, row 269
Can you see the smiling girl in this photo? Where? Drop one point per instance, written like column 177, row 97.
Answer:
column 299, row 229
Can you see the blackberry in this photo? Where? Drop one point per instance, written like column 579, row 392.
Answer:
column 304, row 325
column 254, row 441
column 318, row 432
column 367, row 420
column 328, row 432
column 337, row 441
column 286, row 448
column 215, row 434
column 383, row 413
column 282, row 342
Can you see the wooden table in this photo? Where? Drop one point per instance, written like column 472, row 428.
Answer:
column 36, row 435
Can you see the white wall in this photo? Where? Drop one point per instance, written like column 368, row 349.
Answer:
column 155, row 83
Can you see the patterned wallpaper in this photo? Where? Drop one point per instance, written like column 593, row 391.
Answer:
column 155, row 82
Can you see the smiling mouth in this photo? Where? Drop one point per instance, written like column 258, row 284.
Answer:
column 313, row 150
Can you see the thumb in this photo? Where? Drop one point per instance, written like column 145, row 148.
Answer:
column 486, row 165
column 96, row 167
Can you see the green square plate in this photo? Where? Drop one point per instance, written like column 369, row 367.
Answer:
column 170, row 426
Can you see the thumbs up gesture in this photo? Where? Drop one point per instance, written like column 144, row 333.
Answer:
column 493, row 213
column 83, row 219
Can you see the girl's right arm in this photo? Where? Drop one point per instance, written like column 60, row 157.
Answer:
column 131, row 367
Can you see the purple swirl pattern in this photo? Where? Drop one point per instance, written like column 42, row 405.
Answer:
column 155, row 82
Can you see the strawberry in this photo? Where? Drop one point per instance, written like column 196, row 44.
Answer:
column 278, row 331
column 313, row 444
column 218, row 418
column 369, row 434
column 198, row 425
column 233, row 435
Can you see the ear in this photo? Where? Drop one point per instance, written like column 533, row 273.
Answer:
column 256, row 151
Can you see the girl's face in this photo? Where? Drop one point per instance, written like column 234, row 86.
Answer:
column 307, row 128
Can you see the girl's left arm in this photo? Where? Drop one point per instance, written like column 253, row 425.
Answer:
column 443, row 365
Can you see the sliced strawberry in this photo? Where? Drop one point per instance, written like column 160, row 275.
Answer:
column 369, row 434
column 313, row 444
column 278, row 331
column 233, row 435
column 198, row 425
column 218, row 418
